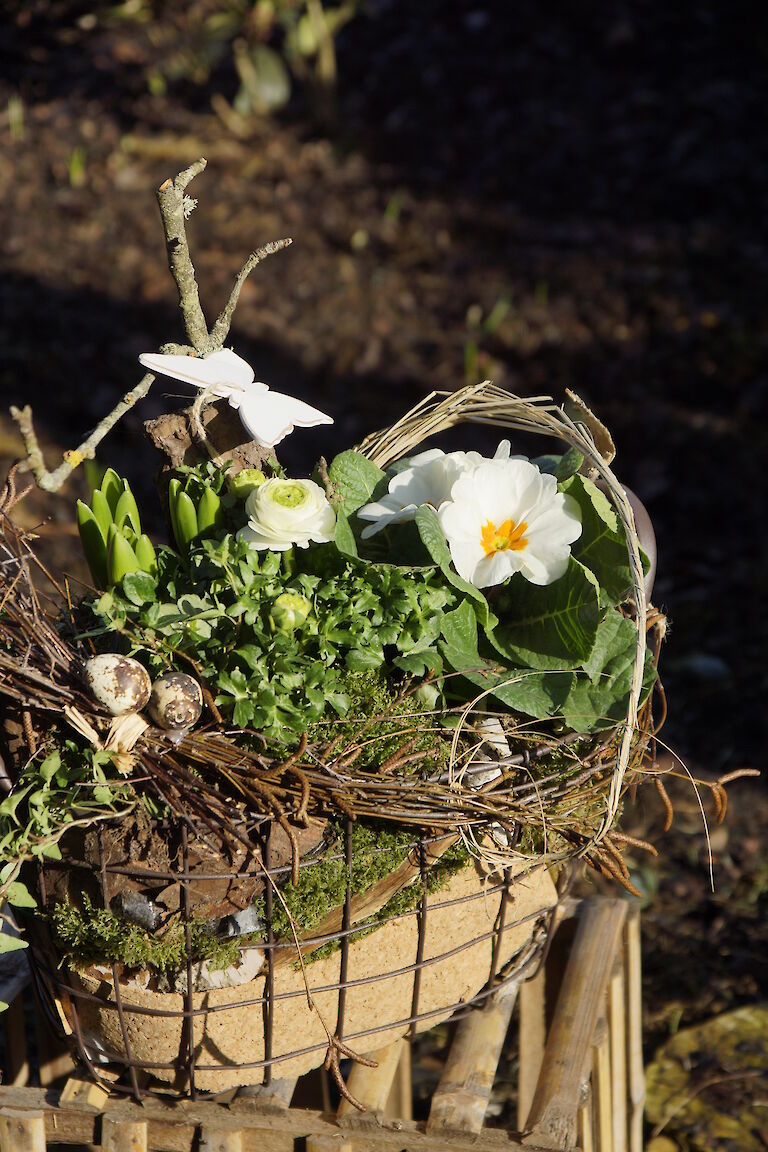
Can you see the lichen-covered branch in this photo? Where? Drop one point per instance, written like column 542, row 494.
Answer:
column 220, row 330
column 52, row 481
column 175, row 206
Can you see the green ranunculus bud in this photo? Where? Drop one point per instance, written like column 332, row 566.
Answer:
column 245, row 482
column 289, row 612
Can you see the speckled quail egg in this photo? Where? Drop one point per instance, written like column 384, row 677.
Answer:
column 119, row 683
column 176, row 701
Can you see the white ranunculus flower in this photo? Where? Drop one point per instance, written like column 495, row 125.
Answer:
column 428, row 479
column 282, row 513
column 506, row 516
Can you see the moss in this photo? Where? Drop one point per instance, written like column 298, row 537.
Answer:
column 406, row 899
column 97, row 936
column 404, row 719
column 377, row 850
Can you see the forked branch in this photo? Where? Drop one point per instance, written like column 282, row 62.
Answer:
column 175, row 208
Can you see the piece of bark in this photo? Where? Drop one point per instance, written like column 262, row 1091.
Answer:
column 174, row 435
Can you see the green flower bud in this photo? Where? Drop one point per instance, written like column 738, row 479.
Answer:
column 245, row 482
column 289, row 612
column 126, row 511
column 210, row 517
column 121, row 558
column 94, row 544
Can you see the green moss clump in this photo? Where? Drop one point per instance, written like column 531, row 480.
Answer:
column 406, row 899
column 377, row 850
column 96, row 936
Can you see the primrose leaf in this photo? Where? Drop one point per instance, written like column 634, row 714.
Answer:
column 344, row 537
column 434, row 541
column 355, row 478
column 534, row 693
column 551, row 626
column 601, row 547
column 561, row 467
column 600, row 695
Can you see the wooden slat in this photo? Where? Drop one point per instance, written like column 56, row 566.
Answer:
column 278, row 1094
column 584, row 1126
column 176, row 1126
column 399, row 1104
column 215, row 1140
column 461, row 1098
column 21, row 1131
column 552, row 1119
column 635, row 1069
column 338, row 1143
column 372, row 1086
column 533, row 1034
column 123, row 1136
column 601, row 1089
column 83, row 1093
column 618, row 1045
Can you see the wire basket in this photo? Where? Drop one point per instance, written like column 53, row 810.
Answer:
column 378, row 975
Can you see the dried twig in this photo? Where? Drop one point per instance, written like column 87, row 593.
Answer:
column 175, row 208
column 220, row 330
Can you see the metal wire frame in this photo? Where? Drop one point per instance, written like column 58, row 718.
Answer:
column 55, row 981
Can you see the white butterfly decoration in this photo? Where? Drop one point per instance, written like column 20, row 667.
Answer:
column 268, row 417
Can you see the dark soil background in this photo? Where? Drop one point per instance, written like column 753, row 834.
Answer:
column 562, row 197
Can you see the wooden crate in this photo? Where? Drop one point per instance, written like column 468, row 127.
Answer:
column 580, row 1075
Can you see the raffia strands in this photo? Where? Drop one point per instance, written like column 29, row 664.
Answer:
column 579, row 428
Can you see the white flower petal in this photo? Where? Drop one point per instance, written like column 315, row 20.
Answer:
column 506, row 516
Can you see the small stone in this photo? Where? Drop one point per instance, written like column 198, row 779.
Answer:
column 136, row 909
column 241, row 923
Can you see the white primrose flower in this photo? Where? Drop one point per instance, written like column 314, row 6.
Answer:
column 428, row 479
column 282, row 513
column 506, row 516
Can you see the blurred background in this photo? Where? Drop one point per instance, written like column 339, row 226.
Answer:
column 562, row 197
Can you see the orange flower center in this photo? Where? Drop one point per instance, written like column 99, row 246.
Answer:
column 507, row 537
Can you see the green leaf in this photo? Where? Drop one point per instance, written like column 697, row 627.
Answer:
column 185, row 521
column 434, row 541
column 210, row 514
column 561, row 467
column 359, row 660
column 139, row 588
column 94, row 544
column 10, row 943
column 19, row 895
column 344, row 537
column 121, row 558
column 126, row 511
column 553, row 626
column 146, row 555
column 111, row 489
column 355, row 478
column 534, row 693
column 459, row 635
column 600, row 694
column 601, row 547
